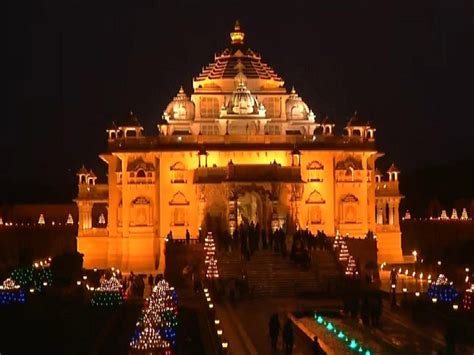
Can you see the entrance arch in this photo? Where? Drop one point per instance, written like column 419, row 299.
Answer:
column 252, row 204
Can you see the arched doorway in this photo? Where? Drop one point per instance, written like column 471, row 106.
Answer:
column 249, row 207
column 253, row 204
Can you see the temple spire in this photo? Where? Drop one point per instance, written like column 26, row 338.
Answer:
column 237, row 36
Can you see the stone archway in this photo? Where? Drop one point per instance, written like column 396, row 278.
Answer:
column 252, row 203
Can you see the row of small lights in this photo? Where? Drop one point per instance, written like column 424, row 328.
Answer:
column 217, row 322
column 433, row 300
column 22, row 224
column 115, row 272
column 417, row 294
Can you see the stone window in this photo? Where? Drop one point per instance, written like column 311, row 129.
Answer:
column 315, row 171
column 209, row 130
column 209, row 107
column 272, row 106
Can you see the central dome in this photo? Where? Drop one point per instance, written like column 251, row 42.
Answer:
column 242, row 101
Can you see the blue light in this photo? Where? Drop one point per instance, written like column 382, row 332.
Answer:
column 353, row 344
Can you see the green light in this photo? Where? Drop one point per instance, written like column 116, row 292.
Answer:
column 367, row 352
column 360, row 349
column 353, row 344
column 330, row 327
column 320, row 320
column 341, row 335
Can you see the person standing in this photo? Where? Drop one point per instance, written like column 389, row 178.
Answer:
column 274, row 330
column 288, row 337
column 188, row 236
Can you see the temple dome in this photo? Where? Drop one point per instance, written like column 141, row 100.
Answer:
column 296, row 109
column 181, row 108
column 242, row 101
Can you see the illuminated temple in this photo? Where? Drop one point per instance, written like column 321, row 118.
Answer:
column 240, row 147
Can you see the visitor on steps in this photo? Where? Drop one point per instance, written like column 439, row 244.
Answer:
column 274, row 330
column 288, row 337
column 188, row 236
column 150, row 280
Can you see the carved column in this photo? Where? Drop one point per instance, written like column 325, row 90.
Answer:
column 396, row 213
column 391, row 212
column 379, row 212
column 85, row 216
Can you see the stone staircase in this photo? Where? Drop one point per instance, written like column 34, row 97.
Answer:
column 269, row 273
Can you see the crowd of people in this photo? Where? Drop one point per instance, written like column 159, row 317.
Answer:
column 249, row 237
column 366, row 306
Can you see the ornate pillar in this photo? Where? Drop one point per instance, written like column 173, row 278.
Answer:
column 125, row 198
column 298, row 213
column 396, row 213
column 201, row 204
column 85, row 216
column 379, row 217
column 391, row 212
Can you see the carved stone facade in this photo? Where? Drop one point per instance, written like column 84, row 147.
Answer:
column 240, row 147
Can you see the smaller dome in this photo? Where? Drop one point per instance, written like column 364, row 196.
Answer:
column 181, row 108
column 356, row 121
column 242, row 101
column 296, row 109
column 130, row 121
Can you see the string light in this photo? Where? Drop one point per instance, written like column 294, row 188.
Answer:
column 467, row 299
column 11, row 293
column 443, row 290
column 211, row 260
column 351, row 268
column 109, row 294
column 351, row 343
column 156, row 328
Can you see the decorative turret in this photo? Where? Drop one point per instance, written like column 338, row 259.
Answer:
column 464, row 216
column 357, row 127
column 130, row 127
column 91, row 178
column 86, row 177
column 112, row 131
column 296, row 109
column 82, row 175
column 181, row 108
column 237, row 36
column 393, row 172
column 326, row 127
column 378, row 175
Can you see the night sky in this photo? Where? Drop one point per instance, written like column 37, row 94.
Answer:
column 72, row 69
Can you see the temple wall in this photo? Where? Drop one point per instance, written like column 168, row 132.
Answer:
column 177, row 204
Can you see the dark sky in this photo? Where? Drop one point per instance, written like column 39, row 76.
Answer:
column 407, row 67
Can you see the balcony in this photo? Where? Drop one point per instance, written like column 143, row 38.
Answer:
column 243, row 142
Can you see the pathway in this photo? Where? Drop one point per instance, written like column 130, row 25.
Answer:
column 246, row 325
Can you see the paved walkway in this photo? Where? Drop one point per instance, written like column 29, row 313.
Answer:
column 246, row 325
